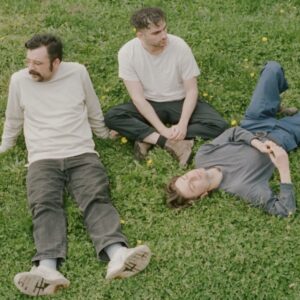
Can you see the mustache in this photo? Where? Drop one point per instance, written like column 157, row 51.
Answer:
column 32, row 72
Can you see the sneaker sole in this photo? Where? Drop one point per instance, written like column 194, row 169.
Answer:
column 134, row 263
column 36, row 285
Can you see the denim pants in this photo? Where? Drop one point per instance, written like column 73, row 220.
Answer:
column 265, row 103
column 85, row 178
column 205, row 121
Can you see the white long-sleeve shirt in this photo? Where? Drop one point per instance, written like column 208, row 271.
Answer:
column 58, row 116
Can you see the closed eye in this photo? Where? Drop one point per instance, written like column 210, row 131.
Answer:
column 192, row 186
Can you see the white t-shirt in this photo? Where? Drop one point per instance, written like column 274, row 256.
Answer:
column 57, row 116
column 161, row 75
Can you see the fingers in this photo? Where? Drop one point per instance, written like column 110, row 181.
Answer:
column 178, row 133
column 113, row 134
column 273, row 147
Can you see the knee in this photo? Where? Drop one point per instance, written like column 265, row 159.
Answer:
column 110, row 116
column 222, row 126
column 274, row 66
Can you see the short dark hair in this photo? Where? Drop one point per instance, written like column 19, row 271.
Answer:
column 142, row 18
column 51, row 42
column 174, row 198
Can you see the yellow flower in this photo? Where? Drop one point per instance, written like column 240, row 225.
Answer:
column 281, row 11
column 124, row 140
column 245, row 59
column 103, row 97
column 252, row 74
column 134, row 30
column 264, row 39
column 139, row 242
column 149, row 162
column 205, row 94
column 122, row 221
column 233, row 122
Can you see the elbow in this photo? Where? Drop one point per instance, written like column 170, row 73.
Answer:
column 285, row 213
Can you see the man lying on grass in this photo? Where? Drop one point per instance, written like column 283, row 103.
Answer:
column 55, row 103
column 242, row 162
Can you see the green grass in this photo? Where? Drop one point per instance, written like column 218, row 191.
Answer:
column 218, row 249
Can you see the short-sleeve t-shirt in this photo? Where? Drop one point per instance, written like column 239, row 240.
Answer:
column 161, row 75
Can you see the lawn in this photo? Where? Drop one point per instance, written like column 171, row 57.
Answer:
column 220, row 248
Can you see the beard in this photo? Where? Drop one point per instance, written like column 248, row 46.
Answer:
column 36, row 75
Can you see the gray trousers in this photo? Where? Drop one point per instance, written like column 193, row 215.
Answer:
column 85, row 178
column 205, row 121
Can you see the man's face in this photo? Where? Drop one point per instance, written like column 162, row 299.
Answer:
column 39, row 65
column 155, row 36
column 193, row 184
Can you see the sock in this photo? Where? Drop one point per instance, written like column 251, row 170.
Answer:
column 49, row 263
column 161, row 141
column 111, row 249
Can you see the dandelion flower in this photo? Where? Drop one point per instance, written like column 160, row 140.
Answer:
column 252, row 74
column 122, row 221
column 233, row 122
column 149, row 162
column 205, row 94
column 264, row 39
column 139, row 242
column 124, row 140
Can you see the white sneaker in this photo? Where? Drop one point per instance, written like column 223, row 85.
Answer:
column 40, row 281
column 127, row 262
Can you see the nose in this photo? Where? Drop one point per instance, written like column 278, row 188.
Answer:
column 30, row 66
column 164, row 34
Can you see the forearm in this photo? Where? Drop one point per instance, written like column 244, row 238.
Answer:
column 234, row 134
column 95, row 114
column 188, row 108
column 136, row 92
column 147, row 111
column 11, row 131
column 284, row 173
column 190, row 101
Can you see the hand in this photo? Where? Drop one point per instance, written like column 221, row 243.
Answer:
column 278, row 155
column 2, row 149
column 179, row 132
column 167, row 133
column 280, row 159
column 113, row 134
column 260, row 146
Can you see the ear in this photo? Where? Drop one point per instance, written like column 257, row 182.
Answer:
column 139, row 34
column 203, row 195
column 56, row 62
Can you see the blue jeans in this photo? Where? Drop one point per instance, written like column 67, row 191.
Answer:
column 85, row 178
column 265, row 103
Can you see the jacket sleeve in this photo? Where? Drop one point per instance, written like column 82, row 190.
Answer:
column 234, row 134
column 95, row 114
column 14, row 117
column 283, row 204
